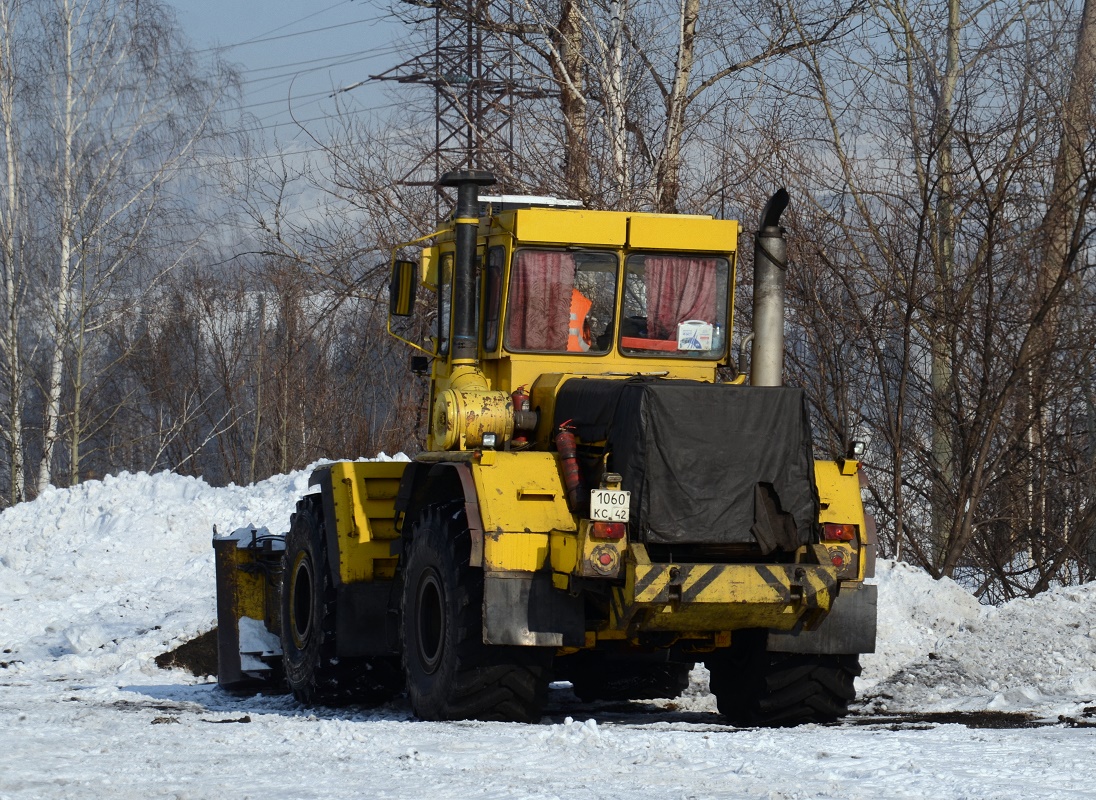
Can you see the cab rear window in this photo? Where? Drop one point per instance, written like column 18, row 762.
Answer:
column 674, row 305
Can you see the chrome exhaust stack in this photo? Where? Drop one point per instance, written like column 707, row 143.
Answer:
column 770, row 276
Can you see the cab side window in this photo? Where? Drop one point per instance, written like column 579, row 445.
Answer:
column 496, row 261
column 561, row 301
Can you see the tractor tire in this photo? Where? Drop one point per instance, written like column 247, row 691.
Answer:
column 754, row 687
column 595, row 678
column 315, row 673
column 450, row 673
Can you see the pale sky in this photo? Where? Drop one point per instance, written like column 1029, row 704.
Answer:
column 300, row 50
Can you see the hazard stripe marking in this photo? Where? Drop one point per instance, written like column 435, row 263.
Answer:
column 701, row 582
column 716, row 583
column 819, row 587
column 776, row 583
column 653, row 574
column 810, row 594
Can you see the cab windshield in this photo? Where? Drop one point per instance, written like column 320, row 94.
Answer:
column 561, row 301
column 674, row 305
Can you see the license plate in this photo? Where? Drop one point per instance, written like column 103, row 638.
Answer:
column 610, row 505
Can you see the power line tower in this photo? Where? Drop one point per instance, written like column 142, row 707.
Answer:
column 471, row 70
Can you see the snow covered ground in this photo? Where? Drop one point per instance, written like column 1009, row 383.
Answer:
column 98, row 580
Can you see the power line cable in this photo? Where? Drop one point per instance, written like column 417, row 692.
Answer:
column 164, row 99
column 302, row 63
column 283, row 36
column 302, row 19
column 328, row 63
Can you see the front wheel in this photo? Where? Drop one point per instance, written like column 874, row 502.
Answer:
column 314, row 671
column 450, row 672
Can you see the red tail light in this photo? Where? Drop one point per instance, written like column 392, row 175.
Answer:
column 836, row 532
column 607, row 530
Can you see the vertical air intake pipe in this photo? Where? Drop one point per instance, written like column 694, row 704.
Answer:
column 770, row 273
column 466, row 222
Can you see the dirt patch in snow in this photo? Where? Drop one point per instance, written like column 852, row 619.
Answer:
column 972, row 719
column 197, row 656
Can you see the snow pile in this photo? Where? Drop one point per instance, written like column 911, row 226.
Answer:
column 940, row 650
column 99, row 579
column 103, row 577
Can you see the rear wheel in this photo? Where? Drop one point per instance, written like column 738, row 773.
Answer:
column 313, row 670
column 450, row 672
column 755, row 687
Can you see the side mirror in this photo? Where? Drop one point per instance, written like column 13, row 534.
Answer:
column 401, row 289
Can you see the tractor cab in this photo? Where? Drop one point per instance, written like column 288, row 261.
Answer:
column 564, row 292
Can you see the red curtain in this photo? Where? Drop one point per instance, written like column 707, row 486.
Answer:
column 540, row 300
column 679, row 289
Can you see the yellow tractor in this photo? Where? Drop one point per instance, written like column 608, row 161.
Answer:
column 594, row 504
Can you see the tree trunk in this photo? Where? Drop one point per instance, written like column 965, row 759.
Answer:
column 256, row 437
column 667, row 172
column 76, row 422
column 567, row 71
column 615, row 100
column 943, row 450
column 1061, row 220
column 11, row 226
column 1064, row 217
column 66, row 178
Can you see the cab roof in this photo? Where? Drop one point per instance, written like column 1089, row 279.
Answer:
column 635, row 230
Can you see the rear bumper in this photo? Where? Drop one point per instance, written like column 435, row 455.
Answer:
column 699, row 598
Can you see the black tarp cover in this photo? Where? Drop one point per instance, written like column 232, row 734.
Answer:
column 706, row 463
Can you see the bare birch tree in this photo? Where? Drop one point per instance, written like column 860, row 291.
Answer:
column 122, row 106
column 12, row 232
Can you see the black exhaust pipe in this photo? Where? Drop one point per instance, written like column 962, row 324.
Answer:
column 770, row 276
column 465, row 347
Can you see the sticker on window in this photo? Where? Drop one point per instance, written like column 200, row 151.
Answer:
column 694, row 334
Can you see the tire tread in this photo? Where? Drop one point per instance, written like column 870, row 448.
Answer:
column 489, row 682
column 754, row 687
column 317, row 675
